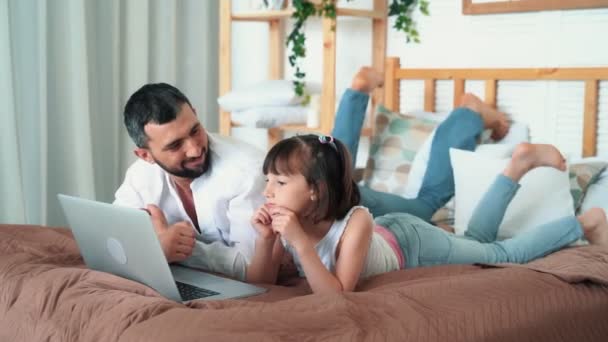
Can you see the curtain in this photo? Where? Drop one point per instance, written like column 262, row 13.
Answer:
column 67, row 68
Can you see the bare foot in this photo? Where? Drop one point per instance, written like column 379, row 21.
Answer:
column 595, row 226
column 492, row 119
column 367, row 79
column 527, row 156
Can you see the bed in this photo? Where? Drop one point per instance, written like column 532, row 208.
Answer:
column 48, row 294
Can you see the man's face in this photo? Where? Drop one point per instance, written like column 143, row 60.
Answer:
column 180, row 147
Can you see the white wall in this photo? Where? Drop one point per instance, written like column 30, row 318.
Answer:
column 449, row 39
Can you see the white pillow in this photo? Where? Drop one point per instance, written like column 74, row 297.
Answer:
column 266, row 117
column 518, row 133
column 264, row 94
column 544, row 194
column 421, row 159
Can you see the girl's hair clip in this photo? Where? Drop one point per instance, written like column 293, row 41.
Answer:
column 328, row 139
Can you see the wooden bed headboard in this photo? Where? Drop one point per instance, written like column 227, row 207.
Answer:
column 591, row 76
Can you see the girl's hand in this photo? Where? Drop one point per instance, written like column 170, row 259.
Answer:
column 286, row 223
column 262, row 221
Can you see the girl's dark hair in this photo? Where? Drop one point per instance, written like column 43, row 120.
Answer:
column 326, row 167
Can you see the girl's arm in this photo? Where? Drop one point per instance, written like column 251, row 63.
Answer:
column 350, row 255
column 264, row 267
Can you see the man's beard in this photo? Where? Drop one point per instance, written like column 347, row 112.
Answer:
column 185, row 172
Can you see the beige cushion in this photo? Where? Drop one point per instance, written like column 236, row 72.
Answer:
column 582, row 175
column 393, row 147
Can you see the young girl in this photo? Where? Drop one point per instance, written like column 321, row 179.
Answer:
column 312, row 212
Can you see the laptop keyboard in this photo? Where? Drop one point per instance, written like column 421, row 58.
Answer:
column 189, row 292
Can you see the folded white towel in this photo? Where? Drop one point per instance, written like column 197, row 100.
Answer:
column 271, row 93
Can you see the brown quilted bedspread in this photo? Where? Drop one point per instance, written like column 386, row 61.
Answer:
column 47, row 294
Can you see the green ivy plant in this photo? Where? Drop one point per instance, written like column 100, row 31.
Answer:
column 303, row 9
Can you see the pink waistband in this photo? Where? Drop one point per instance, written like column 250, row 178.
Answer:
column 390, row 238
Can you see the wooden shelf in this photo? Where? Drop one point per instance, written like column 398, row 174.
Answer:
column 282, row 14
column 276, row 33
column 351, row 12
column 365, row 131
column 301, row 128
column 292, row 127
column 262, row 15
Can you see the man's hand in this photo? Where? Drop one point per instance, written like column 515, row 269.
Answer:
column 176, row 240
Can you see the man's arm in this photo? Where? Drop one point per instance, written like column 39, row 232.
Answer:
column 142, row 185
column 219, row 258
column 127, row 195
column 177, row 240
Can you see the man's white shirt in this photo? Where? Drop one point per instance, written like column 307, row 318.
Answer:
column 225, row 198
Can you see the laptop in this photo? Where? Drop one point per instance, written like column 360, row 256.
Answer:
column 122, row 241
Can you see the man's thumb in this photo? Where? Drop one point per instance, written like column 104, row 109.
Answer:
column 158, row 217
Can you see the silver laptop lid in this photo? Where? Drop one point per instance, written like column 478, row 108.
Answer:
column 120, row 241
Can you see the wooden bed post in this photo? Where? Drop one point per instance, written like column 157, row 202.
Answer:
column 590, row 119
column 458, row 91
column 429, row 95
column 391, row 84
column 276, row 60
column 225, row 60
column 379, row 51
column 276, row 38
column 490, row 96
column 328, row 95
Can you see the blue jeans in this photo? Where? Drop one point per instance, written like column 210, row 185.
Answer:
column 426, row 245
column 460, row 129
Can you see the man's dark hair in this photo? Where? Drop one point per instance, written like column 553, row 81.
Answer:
column 156, row 102
column 327, row 168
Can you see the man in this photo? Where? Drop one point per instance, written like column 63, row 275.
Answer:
column 199, row 189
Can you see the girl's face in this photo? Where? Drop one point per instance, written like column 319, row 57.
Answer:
column 288, row 191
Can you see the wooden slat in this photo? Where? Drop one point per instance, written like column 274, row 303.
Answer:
column 379, row 36
column 282, row 14
column 590, row 119
column 391, row 84
column 225, row 57
column 490, row 96
column 506, row 74
column 262, row 15
column 275, row 49
column 300, row 128
column 274, row 134
column 458, row 91
column 366, row 131
column 328, row 95
column 468, row 7
column 350, row 12
column 429, row 95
